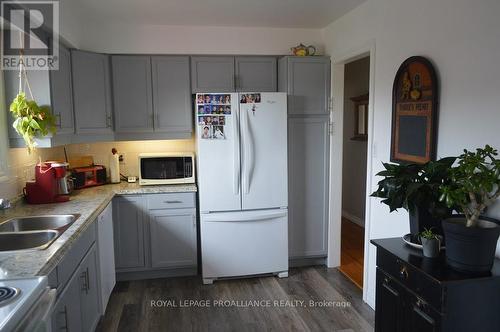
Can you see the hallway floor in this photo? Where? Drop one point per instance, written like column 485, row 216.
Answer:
column 130, row 307
column 352, row 252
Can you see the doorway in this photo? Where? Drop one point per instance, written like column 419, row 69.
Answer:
column 354, row 168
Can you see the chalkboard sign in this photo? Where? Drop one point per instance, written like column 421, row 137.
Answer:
column 414, row 112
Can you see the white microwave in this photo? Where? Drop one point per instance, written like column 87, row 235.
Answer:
column 166, row 168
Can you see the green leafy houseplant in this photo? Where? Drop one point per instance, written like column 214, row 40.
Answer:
column 471, row 238
column 428, row 234
column 31, row 120
column 475, row 183
column 415, row 188
column 431, row 243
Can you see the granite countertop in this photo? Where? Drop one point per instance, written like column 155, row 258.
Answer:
column 88, row 203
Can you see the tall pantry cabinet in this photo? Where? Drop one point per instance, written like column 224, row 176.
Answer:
column 306, row 80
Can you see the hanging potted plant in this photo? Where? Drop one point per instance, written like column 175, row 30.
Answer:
column 30, row 120
column 471, row 238
column 415, row 188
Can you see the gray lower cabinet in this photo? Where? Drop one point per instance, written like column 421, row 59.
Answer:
column 50, row 88
column 256, row 73
column 306, row 80
column 89, row 291
column 91, row 95
column 155, row 235
column 67, row 315
column 77, row 307
column 212, row 74
column 173, row 238
column 308, row 168
column 128, row 229
column 132, row 93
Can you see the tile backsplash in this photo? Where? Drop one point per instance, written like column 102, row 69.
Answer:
column 130, row 150
column 22, row 166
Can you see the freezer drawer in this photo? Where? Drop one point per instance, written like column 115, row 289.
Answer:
column 244, row 243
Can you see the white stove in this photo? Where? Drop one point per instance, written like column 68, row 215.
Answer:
column 25, row 298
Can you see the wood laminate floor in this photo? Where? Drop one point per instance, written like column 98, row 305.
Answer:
column 352, row 251
column 336, row 304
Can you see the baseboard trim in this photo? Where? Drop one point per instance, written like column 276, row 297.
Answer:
column 358, row 221
column 166, row 273
column 306, row 261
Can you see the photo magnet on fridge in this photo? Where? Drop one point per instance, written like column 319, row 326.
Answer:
column 206, row 132
column 219, row 132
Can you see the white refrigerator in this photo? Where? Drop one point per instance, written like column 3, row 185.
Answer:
column 243, row 184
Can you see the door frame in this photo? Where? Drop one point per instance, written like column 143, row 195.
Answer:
column 336, row 155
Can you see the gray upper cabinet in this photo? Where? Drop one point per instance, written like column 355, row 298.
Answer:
column 172, row 94
column 212, row 74
column 91, row 93
column 132, row 93
column 308, row 166
column 256, row 73
column 307, row 82
column 50, row 88
column 62, row 93
column 173, row 238
column 128, row 232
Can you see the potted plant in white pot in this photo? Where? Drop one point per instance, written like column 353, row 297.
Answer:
column 471, row 238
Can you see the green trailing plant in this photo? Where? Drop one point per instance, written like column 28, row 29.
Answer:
column 31, row 120
column 428, row 234
column 410, row 186
column 475, row 183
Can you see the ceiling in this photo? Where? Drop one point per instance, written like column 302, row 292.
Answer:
column 245, row 13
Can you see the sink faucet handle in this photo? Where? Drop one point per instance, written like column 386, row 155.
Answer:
column 4, row 204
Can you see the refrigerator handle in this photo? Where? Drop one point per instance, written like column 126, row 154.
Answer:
column 236, row 156
column 246, row 150
column 251, row 156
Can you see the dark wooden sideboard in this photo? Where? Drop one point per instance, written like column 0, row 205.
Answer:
column 415, row 293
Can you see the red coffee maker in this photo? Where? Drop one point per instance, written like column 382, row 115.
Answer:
column 46, row 187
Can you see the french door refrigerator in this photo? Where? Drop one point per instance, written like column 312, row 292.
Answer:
column 243, row 184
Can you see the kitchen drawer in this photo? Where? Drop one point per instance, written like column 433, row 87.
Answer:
column 74, row 256
column 427, row 289
column 171, row 201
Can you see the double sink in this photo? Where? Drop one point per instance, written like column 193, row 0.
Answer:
column 34, row 232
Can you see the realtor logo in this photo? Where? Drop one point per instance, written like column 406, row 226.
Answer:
column 30, row 35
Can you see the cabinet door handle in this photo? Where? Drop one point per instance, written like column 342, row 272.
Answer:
column 59, row 121
column 194, row 221
column 172, row 202
column 87, row 280
column 84, row 278
column 65, row 313
column 390, row 289
column 424, row 315
column 403, row 272
column 108, row 121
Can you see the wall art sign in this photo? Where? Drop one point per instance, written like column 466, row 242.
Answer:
column 414, row 112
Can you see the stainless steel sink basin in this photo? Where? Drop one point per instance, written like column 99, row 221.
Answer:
column 33, row 232
column 27, row 240
column 34, row 223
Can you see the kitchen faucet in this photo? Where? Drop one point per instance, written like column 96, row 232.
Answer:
column 4, row 204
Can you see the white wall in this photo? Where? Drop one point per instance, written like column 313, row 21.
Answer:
column 356, row 83
column 462, row 39
column 194, row 39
